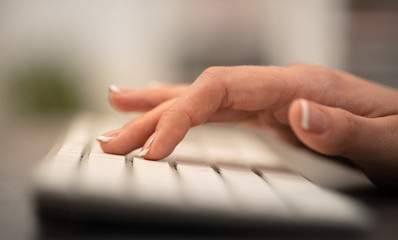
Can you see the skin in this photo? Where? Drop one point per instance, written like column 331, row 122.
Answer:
column 348, row 116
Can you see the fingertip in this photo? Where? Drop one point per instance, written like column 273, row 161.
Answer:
column 114, row 89
column 147, row 146
column 311, row 125
column 122, row 141
column 157, row 147
column 108, row 136
column 105, row 140
column 168, row 134
column 308, row 116
column 120, row 98
column 116, row 145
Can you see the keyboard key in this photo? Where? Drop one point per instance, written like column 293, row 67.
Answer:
column 203, row 189
column 154, row 182
column 309, row 202
column 62, row 169
column 252, row 151
column 188, row 151
column 253, row 195
column 103, row 175
column 218, row 147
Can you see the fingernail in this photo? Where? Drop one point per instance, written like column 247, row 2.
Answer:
column 105, row 139
column 108, row 136
column 147, row 146
column 312, row 119
column 114, row 89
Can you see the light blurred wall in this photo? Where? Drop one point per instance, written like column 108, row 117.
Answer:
column 136, row 42
column 107, row 42
column 307, row 30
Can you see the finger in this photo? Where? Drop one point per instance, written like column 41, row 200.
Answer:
column 227, row 115
column 370, row 142
column 217, row 88
column 133, row 134
column 127, row 99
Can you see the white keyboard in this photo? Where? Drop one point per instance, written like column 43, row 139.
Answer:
column 218, row 174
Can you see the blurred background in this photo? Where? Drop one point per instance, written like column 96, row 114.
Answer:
column 58, row 58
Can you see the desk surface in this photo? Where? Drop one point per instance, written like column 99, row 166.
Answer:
column 18, row 220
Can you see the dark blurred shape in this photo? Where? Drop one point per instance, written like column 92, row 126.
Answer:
column 42, row 88
column 220, row 33
column 373, row 38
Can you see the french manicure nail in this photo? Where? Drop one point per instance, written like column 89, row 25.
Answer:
column 304, row 114
column 108, row 136
column 114, row 89
column 143, row 152
column 312, row 119
column 147, row 146
column 105, row 139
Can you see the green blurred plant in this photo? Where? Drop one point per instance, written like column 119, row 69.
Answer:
column 44, row 88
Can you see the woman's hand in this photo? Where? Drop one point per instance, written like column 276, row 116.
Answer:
column 331, row 112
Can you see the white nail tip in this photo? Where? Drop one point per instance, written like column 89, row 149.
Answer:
column 105, row 139
column 304, row 114
column 143, row 152
column 151, row 140
column 114, row 89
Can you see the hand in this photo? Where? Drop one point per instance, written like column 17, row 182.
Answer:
column 331, row 112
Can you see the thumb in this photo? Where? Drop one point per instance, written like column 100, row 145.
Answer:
column 369, row 142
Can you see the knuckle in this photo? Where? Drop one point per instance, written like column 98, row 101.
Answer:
column 213, row 70
column 315, row 77
column 302, row 65
column 309, row 67
column 213, row 73
column 283, row 87
column 280, row 72
column 217, row 80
